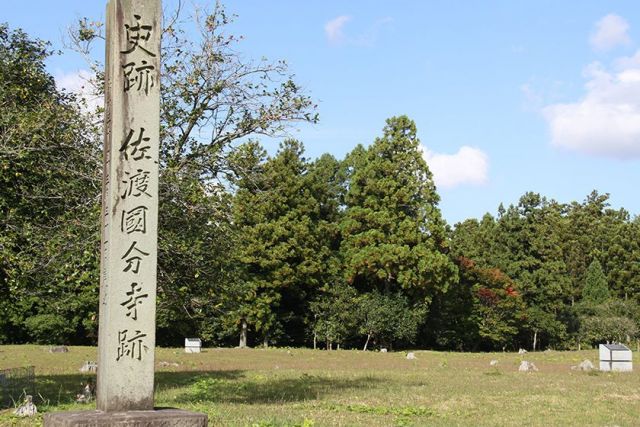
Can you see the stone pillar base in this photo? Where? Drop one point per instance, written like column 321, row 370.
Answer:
column 157, row 418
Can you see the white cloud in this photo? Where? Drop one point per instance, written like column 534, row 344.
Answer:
column 80, row 83
column 468, row 166
column 611, row 31
column 367, row 37
column 334, row 29
column 606, row 121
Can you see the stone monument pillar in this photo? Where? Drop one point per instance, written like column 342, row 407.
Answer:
column 126, row 338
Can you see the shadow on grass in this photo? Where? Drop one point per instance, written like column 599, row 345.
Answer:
column 261, row 389
column 213, row 386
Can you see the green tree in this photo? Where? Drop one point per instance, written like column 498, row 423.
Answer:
column 531, row 254
column 593, row 230
column 599, row 329
column 498, row 307
column 482, row 312
column 388, row 318
column 393, row 237
column 545, row 247
column 596, row 290
column 282, row 249
column 212, row 97
column 619, row 253
column 334, row 317
column 610, row 321
column 49, row 195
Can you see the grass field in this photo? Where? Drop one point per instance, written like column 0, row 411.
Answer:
column 300, row 387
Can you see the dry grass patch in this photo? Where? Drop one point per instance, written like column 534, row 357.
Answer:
column 301, row 387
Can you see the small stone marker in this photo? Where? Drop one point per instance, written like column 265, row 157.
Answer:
column 166, row 364
column 192, row 345
column 89, row 366
column 494, row 363
column 527, row 367
column 411, row 356
column 522, row 351
column 87, row 393
column 58, row 349
column 585, row 365
column 27, row 409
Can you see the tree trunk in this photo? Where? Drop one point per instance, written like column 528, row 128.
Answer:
column 265, row 342
column 315, row 333
column 338, row 346
column 366, row 343
column 243, row 335
column 535, row 339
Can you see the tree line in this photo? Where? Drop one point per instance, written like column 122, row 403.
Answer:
column 259, row 249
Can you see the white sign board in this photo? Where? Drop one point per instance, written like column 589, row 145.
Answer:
column 615, row 357
column 192, row 345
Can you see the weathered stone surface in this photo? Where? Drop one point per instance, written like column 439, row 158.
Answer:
column 27, row 409
column 88, row 392
column 585, row 365
column 411, row 356
column 159, row 418
column 126, row 338
column 526, row 366
column 89, row 366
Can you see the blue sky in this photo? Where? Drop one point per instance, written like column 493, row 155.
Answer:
column 508, row 96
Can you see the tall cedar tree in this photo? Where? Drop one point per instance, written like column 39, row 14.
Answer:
column 281, row 250
column 530, row 252
column 596, row 289
column 392, row 231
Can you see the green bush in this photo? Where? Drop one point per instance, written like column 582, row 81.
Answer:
column 48, row 328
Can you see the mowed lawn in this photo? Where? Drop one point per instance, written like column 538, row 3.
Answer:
column 301, row 387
